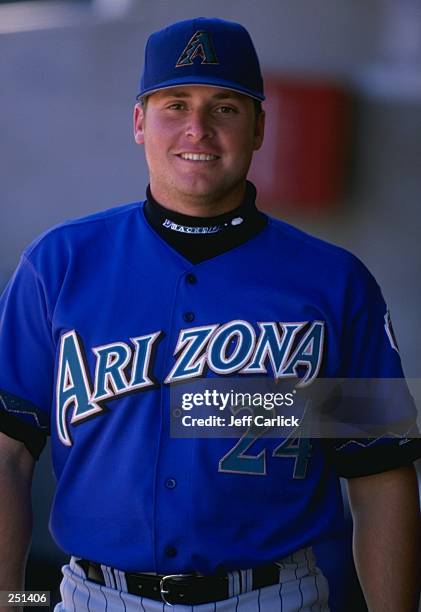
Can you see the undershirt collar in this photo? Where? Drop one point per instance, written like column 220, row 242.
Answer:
column 201, row 238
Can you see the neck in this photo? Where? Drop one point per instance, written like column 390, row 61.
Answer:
column 200, row 206
column 197, row 237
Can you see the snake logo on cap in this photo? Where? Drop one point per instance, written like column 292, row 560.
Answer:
column 199, row 45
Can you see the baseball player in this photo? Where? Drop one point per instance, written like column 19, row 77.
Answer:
column 105, row 316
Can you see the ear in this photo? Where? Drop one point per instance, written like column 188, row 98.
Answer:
column 259, row 130
column 138, row 123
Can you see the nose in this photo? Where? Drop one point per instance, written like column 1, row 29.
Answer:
column 199, row 126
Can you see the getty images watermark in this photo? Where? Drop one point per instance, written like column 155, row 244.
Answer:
column 328, row 408
column 237, row 401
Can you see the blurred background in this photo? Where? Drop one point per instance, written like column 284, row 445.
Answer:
column 342, row 158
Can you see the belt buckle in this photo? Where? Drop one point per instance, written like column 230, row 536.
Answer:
column 165, row 592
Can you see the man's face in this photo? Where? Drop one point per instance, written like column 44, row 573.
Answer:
column 199, row 143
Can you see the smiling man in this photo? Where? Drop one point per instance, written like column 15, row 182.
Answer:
column 105, row 315
column 199, row 143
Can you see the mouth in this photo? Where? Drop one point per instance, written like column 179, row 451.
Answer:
column 198, row 157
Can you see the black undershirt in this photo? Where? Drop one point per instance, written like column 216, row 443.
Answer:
column 200, row 238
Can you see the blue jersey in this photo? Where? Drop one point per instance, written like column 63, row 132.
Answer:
column 102, row 316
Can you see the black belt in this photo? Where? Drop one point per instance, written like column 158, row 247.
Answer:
column 187, row 589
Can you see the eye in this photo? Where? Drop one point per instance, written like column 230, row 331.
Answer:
column 225, row 110
column 176, row 106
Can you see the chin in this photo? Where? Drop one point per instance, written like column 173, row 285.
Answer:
column 199, row 191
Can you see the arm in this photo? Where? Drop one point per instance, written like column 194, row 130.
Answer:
column 387, row 536
column 16, row 467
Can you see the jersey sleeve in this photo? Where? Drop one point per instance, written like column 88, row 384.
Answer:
column 370, row 354
column 27, row 355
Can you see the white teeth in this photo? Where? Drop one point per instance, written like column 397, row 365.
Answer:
column 198, row 156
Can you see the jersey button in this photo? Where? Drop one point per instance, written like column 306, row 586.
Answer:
column 191, row 279
column 171, row 551
column 171, row 483
column 188, row 317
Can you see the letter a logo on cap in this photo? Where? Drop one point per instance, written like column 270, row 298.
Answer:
column 199, row 45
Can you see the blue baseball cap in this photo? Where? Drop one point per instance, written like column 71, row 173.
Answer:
column 202, row 51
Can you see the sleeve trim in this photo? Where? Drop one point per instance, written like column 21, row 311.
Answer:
column 378, row 459
column 33, row 439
